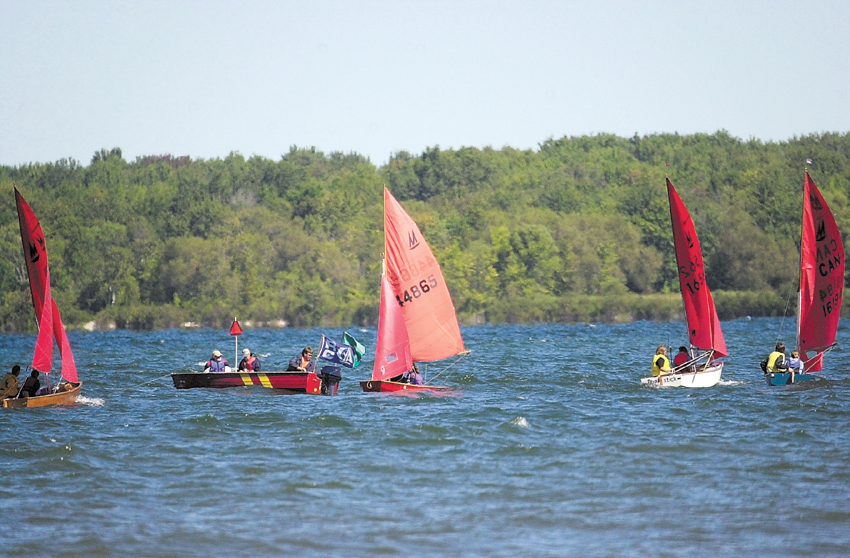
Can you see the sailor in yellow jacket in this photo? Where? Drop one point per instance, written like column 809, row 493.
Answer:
column 776, row 360
column 660, row 363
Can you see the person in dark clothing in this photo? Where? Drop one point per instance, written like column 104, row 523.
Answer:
column 303, row 361
column 249, row 362
column 31, row 385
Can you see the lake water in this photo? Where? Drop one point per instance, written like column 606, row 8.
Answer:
column 548, row 447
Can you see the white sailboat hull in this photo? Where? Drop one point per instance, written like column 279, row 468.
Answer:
column 704, row 378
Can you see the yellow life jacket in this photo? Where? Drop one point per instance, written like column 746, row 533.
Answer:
column 771, row 362
column 656, row 370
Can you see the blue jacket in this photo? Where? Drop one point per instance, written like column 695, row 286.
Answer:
column 795, row 363
column 215, row 365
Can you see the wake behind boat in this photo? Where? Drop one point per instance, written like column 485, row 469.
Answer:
column 821, row 288
column 705, row 335
column 50, row 324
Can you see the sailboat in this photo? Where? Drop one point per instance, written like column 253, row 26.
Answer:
column 821, row 287
column 417, row 319
column 50, row 324
column 705, row 336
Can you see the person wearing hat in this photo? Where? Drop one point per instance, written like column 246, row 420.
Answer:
column 249, row 362
column 216, row 363
column 302, row 361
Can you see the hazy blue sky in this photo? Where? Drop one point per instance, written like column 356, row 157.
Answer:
column 207, row 78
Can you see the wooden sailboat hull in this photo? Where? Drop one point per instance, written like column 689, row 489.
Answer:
column 66, row 397
column 784, row 378
column 706, row 377
column 293, row 382
column 387, row 386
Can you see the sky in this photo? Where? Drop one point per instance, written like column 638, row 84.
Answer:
column 206, row 79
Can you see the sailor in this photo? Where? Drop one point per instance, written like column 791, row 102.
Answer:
column 302, row 361
column 249, row 362
column 9, row 387
column 216, row 363
column 795, row 362
column 31, row 385
column 681, row 357
column 660, row 364
column 414, row 377
column 776, row 360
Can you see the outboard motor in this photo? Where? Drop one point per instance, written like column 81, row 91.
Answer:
column 330, row 376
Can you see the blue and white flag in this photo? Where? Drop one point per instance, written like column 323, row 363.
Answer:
column 333, row 351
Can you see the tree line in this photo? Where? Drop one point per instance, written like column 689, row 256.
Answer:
column 576, row 230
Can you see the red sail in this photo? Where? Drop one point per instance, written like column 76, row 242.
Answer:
column 35, row 255
column 821, row 277
column 42, row 358
column 418, row 284
column 703, row 324
column 392, row 350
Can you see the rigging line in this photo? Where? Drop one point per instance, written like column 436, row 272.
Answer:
column 455, row 363
column 784, row 315
column 143, row 383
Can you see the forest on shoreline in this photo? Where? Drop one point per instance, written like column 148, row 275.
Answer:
column 575, row 231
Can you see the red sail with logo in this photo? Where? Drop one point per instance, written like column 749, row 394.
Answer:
column 703, row 324
column 821, row 278
column 392, row 351
column 35, row 255
column 418, row 285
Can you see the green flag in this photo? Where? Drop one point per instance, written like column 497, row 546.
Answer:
column 354, row 344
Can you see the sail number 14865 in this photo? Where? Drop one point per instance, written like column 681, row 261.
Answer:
column 416, row 291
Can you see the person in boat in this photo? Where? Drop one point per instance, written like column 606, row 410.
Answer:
column 681, row 357
column 9, row 387
column 776, row 359
column 415, row 377
column 660, row 363
column 795, row 363
column 303, row 361
column 409, row 377
column 249, row 362
column 31, row 385
column 216, row 363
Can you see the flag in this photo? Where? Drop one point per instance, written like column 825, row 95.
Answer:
column 359, row 349
column 334, row 351
column 235, row 329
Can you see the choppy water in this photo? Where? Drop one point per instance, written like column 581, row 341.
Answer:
column 549, row 447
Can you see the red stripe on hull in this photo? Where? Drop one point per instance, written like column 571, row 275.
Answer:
column 387, row 386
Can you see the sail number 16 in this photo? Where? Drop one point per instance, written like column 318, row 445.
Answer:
column 415, row 291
